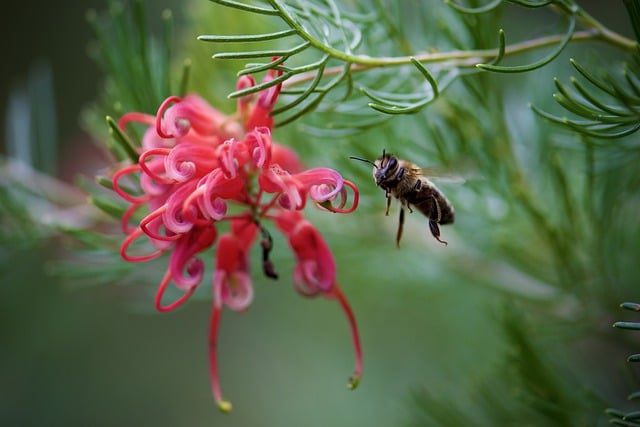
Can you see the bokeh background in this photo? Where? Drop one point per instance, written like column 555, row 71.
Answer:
column 74, row 352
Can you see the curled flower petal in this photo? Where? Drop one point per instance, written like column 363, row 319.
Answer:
column 322, row 183
column 259, row 143
column 305, row 278
column 339, row 208
column 218, row 185
column 126, row 217
column 153, row 182
column 115, row 181
column 215, row 209
column 244, row 82
column 208, row 200
column 193, row 267
column 155, row 168
column 168, row 128
column 276, row 180
column 231, row 283
column 188, row 160
column 160, row 293
column 192, row 113
column 153, row 224
column 198, row 203
column 151, row 140
column 314, row 257
column 316, row 269
column 206, row 120
column 135, row 117
column 133, row 236
column 234, row 290
column 183, row 257
column 261, row 113
column 232, row 156
column 174, row 216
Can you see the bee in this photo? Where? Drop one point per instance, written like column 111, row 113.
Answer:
column 405, row 181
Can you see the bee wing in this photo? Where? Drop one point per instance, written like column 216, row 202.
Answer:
column 439, row 174
column 459, row 171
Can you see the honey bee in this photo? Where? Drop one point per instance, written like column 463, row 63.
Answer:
column 405, row 181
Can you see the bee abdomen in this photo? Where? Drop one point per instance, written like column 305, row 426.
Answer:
column 447, row 213
column 434, row 205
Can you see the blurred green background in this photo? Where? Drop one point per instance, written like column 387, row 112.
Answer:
column 72, row 353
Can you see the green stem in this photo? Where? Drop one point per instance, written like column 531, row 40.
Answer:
column 458, row 58
column 605, row 34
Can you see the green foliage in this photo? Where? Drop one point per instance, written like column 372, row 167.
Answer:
column 537, row 393
column 620, row 417
column 610, row 112
column 333, row 43
column 136, row 64
column 633, row 8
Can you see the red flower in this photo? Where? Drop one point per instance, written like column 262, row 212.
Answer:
column 194, row 164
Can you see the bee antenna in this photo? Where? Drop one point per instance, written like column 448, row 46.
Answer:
column 364, row 160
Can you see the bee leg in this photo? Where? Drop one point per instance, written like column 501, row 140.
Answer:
column 400, row 227
column 434, row 220
column 416, row 188
column 435, row 232
column 388, row 203
column 436, row 208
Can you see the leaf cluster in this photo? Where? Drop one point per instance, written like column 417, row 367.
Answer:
column 609, row 107
column 136, row 63
column 322, row 42
column 622, row 417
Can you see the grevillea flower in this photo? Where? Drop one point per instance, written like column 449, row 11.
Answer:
column 196, row 165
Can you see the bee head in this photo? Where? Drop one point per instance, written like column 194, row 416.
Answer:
column 387, row 167
column 384, row 168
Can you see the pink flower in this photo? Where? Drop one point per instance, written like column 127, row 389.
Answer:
column 196, row 163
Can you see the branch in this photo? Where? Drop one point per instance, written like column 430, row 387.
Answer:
column 452, row 59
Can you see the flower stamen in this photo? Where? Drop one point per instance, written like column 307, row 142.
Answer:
column 223, row 405
column 354, row 380
column 137, row 258
column 160, row 293
column 121, row 192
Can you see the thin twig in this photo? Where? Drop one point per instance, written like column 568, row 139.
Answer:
column 456, row 58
